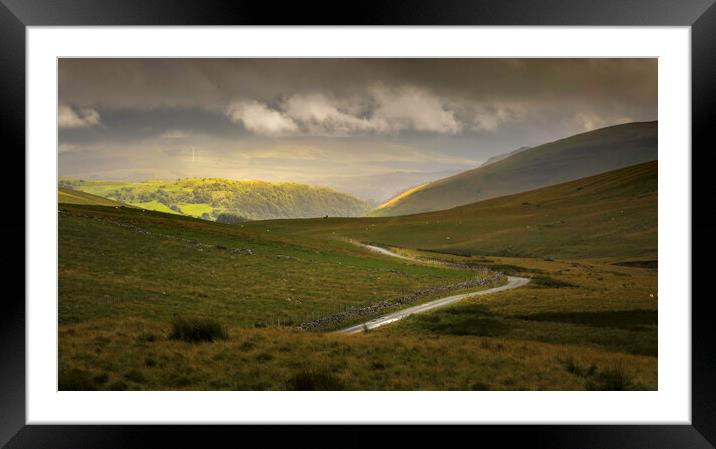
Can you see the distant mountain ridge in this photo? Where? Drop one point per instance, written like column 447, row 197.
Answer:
column 612, row 214
column 563, row 160
column 209, row 197
column 499, row 157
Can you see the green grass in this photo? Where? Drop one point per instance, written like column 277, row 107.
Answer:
column 567, row 159
column 155, row 206
column 605, row 307
column 609, row 215
column 197, row 330
column 195, row 210
column 127, row 275
column 115, row 352
column 313, row 380
column 110, row 266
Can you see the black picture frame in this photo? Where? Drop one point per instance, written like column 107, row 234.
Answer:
column 16, row 15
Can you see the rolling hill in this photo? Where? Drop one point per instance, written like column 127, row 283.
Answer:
column 69, row 196
column 567, row 159
column 127, row 276
column 209, row 197
column 613, row 214
column 502, row 156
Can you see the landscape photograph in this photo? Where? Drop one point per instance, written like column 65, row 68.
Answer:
column 345, row 224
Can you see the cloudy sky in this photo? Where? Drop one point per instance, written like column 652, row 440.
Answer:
column 371, row 127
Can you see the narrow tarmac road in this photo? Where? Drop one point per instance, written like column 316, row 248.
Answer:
column 512, row 282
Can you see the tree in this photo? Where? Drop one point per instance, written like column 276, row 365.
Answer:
column 227, row 218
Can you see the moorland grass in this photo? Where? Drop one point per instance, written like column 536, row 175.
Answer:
column 605, row 306
column 315, row 380
column 277, row 359
column 608, row 215
column 129, row 262
column 197, row 330
column 124, row 273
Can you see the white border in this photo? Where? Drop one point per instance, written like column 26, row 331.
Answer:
column 671, row 404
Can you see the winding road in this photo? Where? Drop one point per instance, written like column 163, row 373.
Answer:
column 512, row 282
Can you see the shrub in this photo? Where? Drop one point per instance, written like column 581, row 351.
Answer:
column 118, row 386
column 197, row 330
column 264, row 357
column 230, row 218
column 310, row 380
column 146, row 338
column 613, row 379
column 135, row 376
column 573, row 367
column 101, row 378
column 246, row 346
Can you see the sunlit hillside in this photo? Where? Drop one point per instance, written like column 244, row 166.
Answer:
column 209, row 197
column 567, row 159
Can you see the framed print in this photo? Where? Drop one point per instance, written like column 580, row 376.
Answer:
column 486, row 224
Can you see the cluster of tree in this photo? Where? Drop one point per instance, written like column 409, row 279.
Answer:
column 230, row 218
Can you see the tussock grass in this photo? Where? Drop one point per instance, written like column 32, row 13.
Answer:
column 614, row 378
column 119, row 289
column 574, row 367
column 315, row 380
column 279, row 359
column 195, row 330
column 75, row 379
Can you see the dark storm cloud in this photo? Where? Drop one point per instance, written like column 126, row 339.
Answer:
column 315, row 119
column 213, row 83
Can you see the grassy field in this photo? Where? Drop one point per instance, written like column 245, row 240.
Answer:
column 566, row 159
column 590, row 303
column 129, row 262
column 608, row 215
column 136, row 354
column 158, row 301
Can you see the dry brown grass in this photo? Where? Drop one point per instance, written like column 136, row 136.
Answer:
column 137, row 354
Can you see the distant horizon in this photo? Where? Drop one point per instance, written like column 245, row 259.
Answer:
column 368, row 127
column 377, row 201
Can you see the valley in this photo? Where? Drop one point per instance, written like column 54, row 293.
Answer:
column 587, row 318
